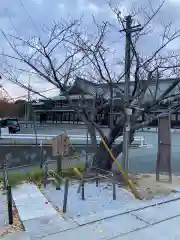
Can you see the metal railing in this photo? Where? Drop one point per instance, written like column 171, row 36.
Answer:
column 75, row 139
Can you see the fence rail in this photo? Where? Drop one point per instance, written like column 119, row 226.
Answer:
column 75, row 139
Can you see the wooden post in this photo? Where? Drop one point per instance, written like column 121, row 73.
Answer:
column 59, row 163
column 41, row 155
column 164, row 147
column 5, row 173
column 45, row 174
column 60, row 147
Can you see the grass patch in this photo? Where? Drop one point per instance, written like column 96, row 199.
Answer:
column 70, row 172
column 36, row 175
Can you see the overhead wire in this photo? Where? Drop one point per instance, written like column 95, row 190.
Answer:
column 31, row 19
column 43, row 91
column 7, row 93
column 9, row 16
column 35, row 26
column 25, row 87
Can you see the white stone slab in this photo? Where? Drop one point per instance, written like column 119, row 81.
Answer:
column 160, row 212
column 35, row 211
column 31, row 203
column 26, row 190
column 43, row 226
column 16, row 236
column 167, row 230
column 124, row 209
column 36, row 202
column 108, row 213
column 105, row 229
column 28, row 200
column 25, row 187
column 23, row 195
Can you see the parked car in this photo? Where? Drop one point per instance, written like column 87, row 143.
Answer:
column 11, row 123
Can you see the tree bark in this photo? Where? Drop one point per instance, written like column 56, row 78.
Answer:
column 102, row 160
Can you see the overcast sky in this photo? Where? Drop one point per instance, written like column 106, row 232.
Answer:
column 27, row 17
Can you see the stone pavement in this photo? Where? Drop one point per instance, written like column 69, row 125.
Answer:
column 165, row 230
column 38, row 216
column 97, row 199
column 4, row 223
column 3, row 214
column 158, row 218
column 16, row 236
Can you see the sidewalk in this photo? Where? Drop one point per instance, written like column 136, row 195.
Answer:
column 158, row 219
column 16, row 236
column 38, row 216
column 155, row 130
column 6, row 230
column 3, row 214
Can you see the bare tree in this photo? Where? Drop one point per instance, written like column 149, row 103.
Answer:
column 81, row 53
column 56, row 59
column 145, row 72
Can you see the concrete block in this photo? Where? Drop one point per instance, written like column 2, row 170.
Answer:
column 26, row 201
column 160, row 212
column 162, row 231
column 106, row 229
column 34, row 210
column 47, row 225
column 16, row 236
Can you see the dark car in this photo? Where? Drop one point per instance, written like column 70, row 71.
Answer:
column 11, row 123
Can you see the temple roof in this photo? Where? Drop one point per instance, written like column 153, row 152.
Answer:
column 92, row 89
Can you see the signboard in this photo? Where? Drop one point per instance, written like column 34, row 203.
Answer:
column 60, row 146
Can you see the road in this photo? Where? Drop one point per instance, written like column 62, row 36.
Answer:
column 77, row 134
column 141, row 160
column 151, row 137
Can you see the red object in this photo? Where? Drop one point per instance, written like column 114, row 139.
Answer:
column 12, row 126
column 46, row 202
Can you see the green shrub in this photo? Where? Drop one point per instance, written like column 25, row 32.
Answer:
column 36, row 175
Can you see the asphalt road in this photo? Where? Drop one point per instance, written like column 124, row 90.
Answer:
column 141, row 160
column 151, row 137
column 77, row 133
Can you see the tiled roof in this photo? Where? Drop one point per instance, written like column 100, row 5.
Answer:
column 91, row 88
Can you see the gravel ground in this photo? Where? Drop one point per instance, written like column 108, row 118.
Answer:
column 148, row 185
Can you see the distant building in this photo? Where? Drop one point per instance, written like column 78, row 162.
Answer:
column 57, row 109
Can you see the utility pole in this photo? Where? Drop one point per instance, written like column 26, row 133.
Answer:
column 28, row 101
column 128, row 110
column 111, row 120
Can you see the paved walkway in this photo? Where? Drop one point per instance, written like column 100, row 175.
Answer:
column 38, row 216
column 158, row 219
column 4, row 223
column 3, row 214
column 16, row 236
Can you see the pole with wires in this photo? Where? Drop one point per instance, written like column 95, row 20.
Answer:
column 129, row 29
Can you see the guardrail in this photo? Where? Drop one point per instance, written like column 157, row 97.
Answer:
column 24, row 124
column 75, row 139
column 4, row 131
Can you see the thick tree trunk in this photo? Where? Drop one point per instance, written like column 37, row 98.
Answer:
column 102, row 159
column 101, row 152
